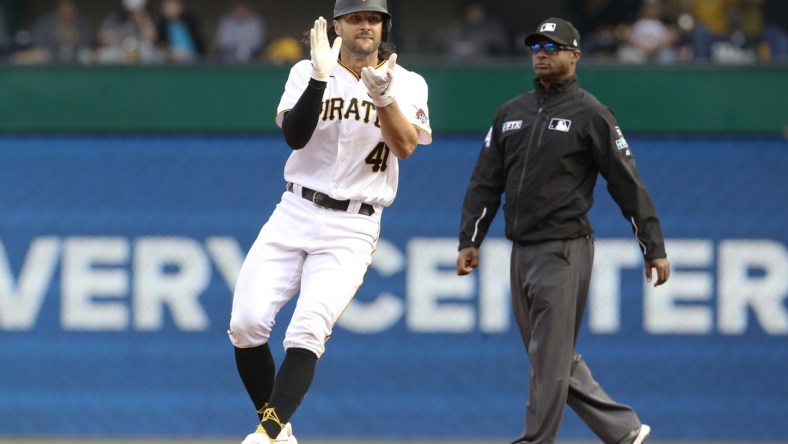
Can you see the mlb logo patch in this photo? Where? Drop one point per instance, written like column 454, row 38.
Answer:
column 512, row 125
column 547, row 27
column 560, row 125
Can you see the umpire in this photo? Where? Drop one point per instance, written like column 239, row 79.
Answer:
column 545, row 151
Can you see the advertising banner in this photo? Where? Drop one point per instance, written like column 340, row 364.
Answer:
column 118, row 256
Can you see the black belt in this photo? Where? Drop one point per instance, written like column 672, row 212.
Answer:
column 325, row 201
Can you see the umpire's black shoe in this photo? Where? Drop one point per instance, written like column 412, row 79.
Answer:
column 636, row 436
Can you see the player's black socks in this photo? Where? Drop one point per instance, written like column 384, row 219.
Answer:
column 292, row 382
column 257, row 370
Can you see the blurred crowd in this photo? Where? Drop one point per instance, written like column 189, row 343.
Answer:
column 135, row 33
column 643, row 31
column 621, row 31
column 671, row 31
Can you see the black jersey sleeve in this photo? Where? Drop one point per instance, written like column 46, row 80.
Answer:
column 299, row 123
column 483, row 196
column 616, row 163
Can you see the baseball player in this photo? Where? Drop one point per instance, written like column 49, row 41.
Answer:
column 349, row 114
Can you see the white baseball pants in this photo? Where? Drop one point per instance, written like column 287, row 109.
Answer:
column 322, row 253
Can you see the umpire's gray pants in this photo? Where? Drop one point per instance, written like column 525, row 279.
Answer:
column 549, row 290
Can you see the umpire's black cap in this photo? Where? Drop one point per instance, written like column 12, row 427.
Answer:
column 557, row 30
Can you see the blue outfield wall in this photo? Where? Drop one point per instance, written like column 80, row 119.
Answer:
column 118, row 255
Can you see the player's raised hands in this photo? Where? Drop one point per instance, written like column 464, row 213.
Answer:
column 324, row 56
column 379, row 84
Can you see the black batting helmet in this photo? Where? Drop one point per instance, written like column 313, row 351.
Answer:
column 343, row 7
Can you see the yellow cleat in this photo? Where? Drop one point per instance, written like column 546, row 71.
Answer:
column 258, row 437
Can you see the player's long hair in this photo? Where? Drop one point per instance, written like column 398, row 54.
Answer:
column 384, row 51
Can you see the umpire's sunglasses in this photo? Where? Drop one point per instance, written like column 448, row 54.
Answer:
column 549, row 48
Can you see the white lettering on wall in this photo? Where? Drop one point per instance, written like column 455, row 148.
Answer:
column 172, row 272
column 438, row 299
column 21, row 302
column 228, row 257
column 753, row 275
column 94, row 283
column 495, row 298
column 604, row 299
column 682, row 304
column 114, row 283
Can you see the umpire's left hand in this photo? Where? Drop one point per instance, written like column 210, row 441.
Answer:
column 467, row 260
column 662, row 265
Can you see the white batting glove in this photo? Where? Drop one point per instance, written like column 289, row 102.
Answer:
column 379, row 85
column 324, row 56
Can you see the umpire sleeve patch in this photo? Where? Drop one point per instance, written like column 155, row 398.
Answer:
column 511, row 125
column 621, row 143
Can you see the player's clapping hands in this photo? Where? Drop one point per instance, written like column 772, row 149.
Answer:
column 324, row 56
column 379, row 84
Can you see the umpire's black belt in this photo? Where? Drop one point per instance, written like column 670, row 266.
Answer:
column 325, row 201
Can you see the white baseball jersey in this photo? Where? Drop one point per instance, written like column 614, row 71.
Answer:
column 319, row 253
column 346, row 157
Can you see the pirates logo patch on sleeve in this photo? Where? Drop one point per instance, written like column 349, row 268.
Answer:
column 421, row 116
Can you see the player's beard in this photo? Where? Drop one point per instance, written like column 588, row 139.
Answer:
column 361, row 47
